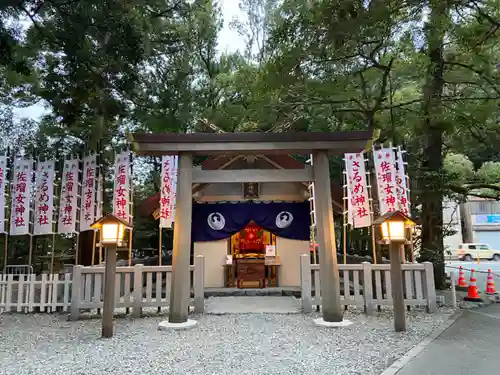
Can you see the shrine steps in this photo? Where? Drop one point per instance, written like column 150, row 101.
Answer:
column 254, row 292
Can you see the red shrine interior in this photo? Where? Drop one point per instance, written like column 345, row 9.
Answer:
column 248, row 250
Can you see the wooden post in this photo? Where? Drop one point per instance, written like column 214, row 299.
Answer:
column 180, row 293
column 368, row 288
column 398, row 301
column 199, row 284
column 453, row 290
column 136, row 304
column 329, row 273
column 430, row 288
column 108, row 307
column 305, row 283
column 76, row 293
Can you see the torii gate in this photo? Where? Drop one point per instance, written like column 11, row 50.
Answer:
column 318, row 144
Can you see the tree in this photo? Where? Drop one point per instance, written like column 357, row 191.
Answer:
column 426, row 74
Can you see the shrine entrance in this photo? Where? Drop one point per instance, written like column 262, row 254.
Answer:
column 317, row 145
column 254, row 258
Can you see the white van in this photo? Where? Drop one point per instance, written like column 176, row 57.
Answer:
column 470, row 251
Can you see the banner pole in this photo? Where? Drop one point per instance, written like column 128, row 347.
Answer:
column 372, row 226
column 30, row 253
column 6, row 250
column 100, row 203
column 412, row 249
column 344, row 221
column 79, row 194
column 7, row 228
column 31, row 217
column 55, row 215
column 93, row 247
column 100, row 255
column 53, row 252
column 130, row 247
column 131, row 207
column 77, row 250
column 160, row 235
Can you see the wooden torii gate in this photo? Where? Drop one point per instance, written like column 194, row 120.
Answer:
column 317, row 144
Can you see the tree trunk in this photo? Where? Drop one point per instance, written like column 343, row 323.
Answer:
column 432, row 136
column 466, row 223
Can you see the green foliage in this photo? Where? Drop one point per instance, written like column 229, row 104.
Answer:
column 426, row 74
column 489, row 172
column 459, row 168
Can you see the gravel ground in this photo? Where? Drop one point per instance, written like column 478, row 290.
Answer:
column 240, row 344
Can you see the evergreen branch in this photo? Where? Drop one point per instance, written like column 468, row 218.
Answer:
column 468, row 190
column 478, row 72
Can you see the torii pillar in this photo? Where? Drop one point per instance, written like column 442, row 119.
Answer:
column 328, row 268
column 180, row 292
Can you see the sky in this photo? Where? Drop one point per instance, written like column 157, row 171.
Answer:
column 229, row 41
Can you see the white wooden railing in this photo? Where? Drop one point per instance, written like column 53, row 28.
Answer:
column 34, row 293
column 369, row 285
column 136, row 287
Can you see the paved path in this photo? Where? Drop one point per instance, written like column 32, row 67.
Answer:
column 470, row 346
column 247, row 305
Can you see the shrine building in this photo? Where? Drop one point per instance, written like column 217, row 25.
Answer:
column 248, row 211
column 241, row 220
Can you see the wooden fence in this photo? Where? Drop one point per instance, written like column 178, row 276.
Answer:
column 369, row 285
column 32, row 293
column 136, row 287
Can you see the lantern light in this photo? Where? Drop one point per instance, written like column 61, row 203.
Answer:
column 393, row 226
column 112, row 230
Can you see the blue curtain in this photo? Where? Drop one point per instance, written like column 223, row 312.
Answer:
column 212, row 222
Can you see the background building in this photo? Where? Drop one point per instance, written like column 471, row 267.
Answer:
column 478, row 218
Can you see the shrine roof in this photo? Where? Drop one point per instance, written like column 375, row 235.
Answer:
column 336, row 143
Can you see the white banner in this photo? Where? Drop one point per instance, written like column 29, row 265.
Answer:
column 357, row 191
column 385, row 171
column 402, row 184
column 68, row 201
column 121, row 190
column 347, row 202
column 168, row 190
column 44, row 198
column 21, row 197
column 88, row 202
column 3, row 182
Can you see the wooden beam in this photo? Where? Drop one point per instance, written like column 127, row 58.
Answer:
column 215, row 148
column 198, row 187
column 252, row 175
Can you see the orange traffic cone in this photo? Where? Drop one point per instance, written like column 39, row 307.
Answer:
column 490, row 284
column 472, row 292
column 461, row 278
